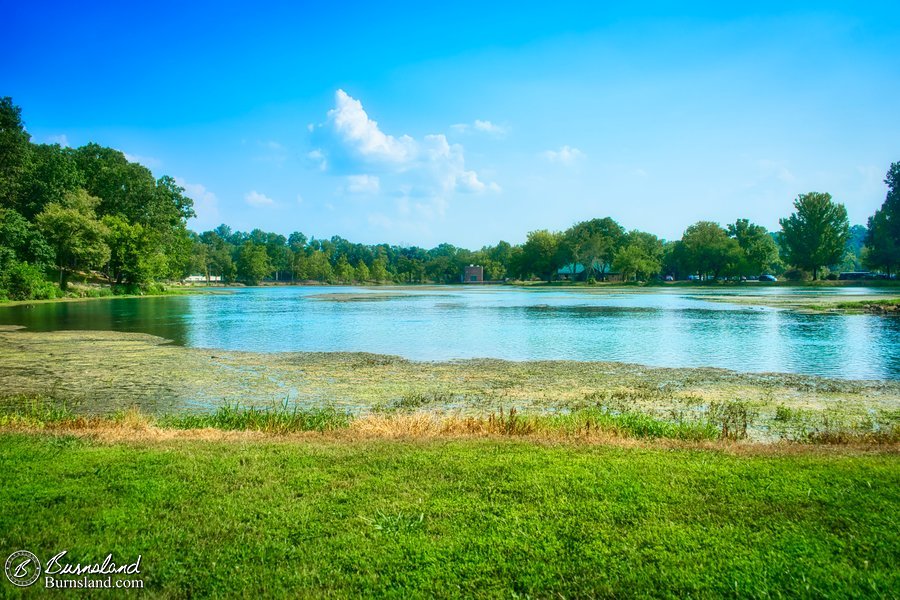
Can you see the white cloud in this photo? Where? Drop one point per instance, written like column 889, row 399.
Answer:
column 482, row 127
column 361, row 137
column 254, row 198
column 426, row 172
column 61, row 139
column 299, row 199
column 317, row 157
column 362, row 184
column 206, row 205
column 567, row 155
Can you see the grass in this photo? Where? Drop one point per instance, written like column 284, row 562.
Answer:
column 278, row 419
column 502, row 518
column 601, row 422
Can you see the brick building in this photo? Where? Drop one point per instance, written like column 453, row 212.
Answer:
column 473, row 274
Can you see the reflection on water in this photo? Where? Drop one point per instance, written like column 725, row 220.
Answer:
column 666, row 328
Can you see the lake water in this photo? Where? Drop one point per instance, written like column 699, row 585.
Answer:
column 668, row 327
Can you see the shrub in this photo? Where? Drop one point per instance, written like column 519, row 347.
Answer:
column 22, row 281
column 796, row 275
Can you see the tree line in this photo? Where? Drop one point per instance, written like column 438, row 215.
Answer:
column 90, row 213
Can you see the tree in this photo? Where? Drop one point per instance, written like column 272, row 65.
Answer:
column 344, row 270
column 51, row 175
column 541, row 254
column 592, row 243
column 362, row 272
column 15, row 153
column 883, row 234
column 72, row 229
column 128, row 251
column 708, row 250
column 816, row 234
column 639, row 257
column 379, row 270
column 253, row 263
column 319, row 268
column 21, row 241
column 760, row 253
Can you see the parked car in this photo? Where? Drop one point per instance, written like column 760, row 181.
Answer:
column 770, row 278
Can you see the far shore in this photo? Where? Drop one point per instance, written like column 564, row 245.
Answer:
column 812, row 302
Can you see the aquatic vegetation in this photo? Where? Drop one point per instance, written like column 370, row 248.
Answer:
column 108, row 373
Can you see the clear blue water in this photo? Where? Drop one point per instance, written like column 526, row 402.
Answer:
column 670, row 328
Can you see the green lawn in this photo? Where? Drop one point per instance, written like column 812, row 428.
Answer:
column 458, row 517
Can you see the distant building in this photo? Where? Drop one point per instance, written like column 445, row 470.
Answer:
column 577, row 272
column 202, row 279
column 570, row 272
column 473, row 274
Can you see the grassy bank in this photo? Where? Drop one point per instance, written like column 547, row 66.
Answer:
column 478, row 518
column 597, row 424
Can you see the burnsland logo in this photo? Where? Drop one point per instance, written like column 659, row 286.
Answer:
column 23, row 568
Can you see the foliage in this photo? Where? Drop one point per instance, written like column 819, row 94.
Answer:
column 640, row 256
column 253, row 263
column 15, row 153
column 760, row 254
column 72, row 228
column 594, row 244
column 541, row 254
column 88, row 211
column 20, row 240
column 708, row 251
column 22, row 281
column 883, row 234
column 816, row 234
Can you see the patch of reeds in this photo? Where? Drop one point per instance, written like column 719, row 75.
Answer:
column 610, row 418
column 281, row 418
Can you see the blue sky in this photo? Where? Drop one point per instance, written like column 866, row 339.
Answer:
column 471, row 122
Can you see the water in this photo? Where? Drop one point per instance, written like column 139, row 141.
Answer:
column 670, row 328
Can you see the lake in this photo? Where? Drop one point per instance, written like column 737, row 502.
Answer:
column 659, row 327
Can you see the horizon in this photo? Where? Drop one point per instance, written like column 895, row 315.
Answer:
column 417, row 128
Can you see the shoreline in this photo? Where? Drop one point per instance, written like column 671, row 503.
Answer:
column 837, row 304
column 96, row 373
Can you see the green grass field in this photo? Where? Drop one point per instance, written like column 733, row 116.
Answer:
column 330, row 516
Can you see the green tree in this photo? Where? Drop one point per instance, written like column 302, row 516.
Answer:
column 640, row 257
column 540, row 254
column 883, row 234
column 72, row 229
column 816, row 234
column 379, row 270
column 344, row 270
column 21, row 241
column 592, row 243
column 15, row 153
column 128, row 251
column 362, row 272
column 708, row 251
column 252, row 263
column 759, row 252
column 319, row 266
column 52, row 174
